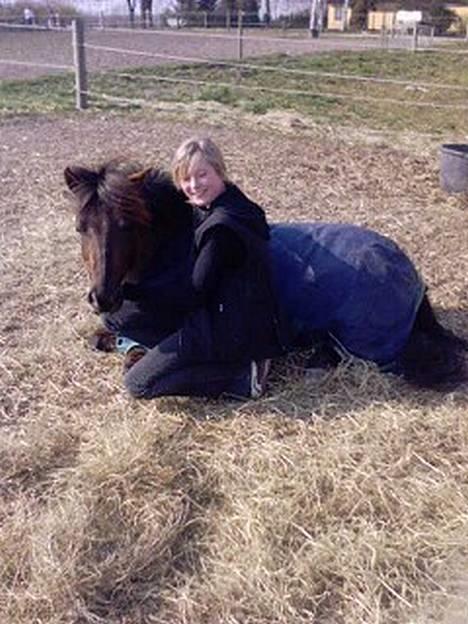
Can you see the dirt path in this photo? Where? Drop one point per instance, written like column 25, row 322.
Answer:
column 55, row 48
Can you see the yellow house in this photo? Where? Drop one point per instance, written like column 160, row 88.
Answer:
column 384, row 16
column 462, row 11
column 338, row 17
column 376, row 20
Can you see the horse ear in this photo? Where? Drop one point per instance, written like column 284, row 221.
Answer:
column 79, row 177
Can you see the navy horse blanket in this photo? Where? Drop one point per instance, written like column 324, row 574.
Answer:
column 349, row 281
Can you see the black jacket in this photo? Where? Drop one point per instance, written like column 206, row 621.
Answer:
column 238, row 322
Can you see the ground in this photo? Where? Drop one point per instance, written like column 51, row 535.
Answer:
column 368, row 462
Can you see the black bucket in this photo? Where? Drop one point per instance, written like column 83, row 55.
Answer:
column 454, row 168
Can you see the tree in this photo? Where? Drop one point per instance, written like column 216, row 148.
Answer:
column 131, row 11
column 360, row 11
column 441, row 18
column 223, row 7
column 146, row 7
column 250, row 8
column 318, row 11
column 146, row 13
column 183, row 7
column 207, row 5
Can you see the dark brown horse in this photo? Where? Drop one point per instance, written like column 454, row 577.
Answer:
column 350, row 285
column 123, row 226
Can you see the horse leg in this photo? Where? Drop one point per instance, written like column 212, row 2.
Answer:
column 433, row 356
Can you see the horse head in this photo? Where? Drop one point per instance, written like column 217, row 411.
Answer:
column 113, row 221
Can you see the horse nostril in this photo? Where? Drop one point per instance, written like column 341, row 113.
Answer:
column 100, row 302
column 93, row 300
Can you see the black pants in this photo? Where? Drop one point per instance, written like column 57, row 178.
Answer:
column 165, row 371
column 172, row 369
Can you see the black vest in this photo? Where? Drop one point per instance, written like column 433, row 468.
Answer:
column 239, row 322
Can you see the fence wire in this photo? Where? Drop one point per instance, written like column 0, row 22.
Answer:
column 241, row 65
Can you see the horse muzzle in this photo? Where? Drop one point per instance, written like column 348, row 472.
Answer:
column 103, row 302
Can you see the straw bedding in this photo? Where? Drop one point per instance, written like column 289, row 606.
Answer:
column 339, row 499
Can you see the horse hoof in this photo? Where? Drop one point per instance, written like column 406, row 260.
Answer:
column 103, row 340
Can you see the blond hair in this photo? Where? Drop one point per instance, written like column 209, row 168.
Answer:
column 190, row 149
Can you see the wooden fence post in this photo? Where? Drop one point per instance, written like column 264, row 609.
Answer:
column 383, row 36
column 415, row 38
column 79, row 58
column 240, row 34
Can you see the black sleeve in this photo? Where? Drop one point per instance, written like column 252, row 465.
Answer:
column 168, row 298
column 222, row 251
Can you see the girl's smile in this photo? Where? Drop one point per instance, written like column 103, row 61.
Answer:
column 202, row 183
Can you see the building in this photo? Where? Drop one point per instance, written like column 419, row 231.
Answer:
column 389, row 16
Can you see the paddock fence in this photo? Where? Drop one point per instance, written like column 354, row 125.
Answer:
column 86, row 48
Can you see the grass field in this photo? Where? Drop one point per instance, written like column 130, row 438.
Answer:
column 333, row 500
column 395, row 90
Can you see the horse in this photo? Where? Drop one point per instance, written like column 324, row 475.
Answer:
column 343, row 286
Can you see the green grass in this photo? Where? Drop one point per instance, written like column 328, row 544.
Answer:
column 41, row 95
column 255, row 89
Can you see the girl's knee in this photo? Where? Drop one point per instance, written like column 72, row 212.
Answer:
column 135, row 386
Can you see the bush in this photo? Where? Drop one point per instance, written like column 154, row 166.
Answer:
column 442, row 18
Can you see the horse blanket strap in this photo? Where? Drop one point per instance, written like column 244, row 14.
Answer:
column 351, row 282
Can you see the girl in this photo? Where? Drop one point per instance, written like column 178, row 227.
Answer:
column 225, row 343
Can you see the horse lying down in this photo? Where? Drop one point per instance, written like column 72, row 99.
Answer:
column 348, row 285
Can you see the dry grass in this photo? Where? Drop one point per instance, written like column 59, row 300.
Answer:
column 340, row 500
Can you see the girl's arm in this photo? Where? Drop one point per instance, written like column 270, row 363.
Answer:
column 222, row 251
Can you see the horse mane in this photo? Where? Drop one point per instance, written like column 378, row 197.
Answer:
column 116, row 188
column 167, row 204
column 147, row 197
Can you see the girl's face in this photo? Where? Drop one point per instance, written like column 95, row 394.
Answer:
column 202, row 183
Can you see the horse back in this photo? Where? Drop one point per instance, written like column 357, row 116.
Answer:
column 348, row 280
